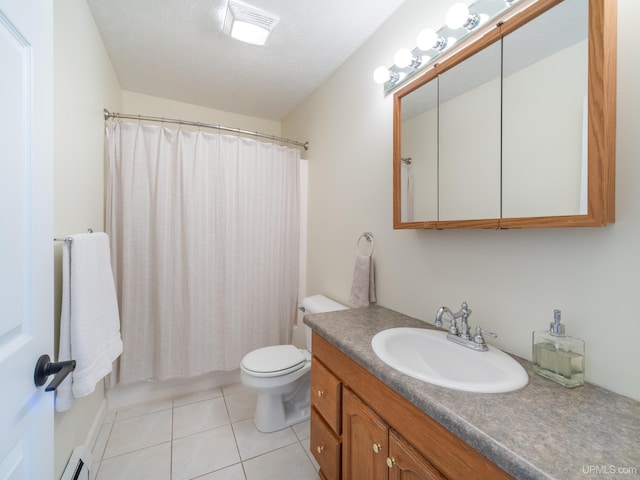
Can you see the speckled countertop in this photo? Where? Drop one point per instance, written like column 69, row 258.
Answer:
column 543, row 431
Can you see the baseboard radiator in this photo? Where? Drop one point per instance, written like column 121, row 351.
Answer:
column 79, row 466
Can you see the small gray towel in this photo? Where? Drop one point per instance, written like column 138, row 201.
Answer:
column 363, row 288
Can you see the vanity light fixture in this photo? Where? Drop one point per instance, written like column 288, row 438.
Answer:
column 247, row 23
column 460, row 21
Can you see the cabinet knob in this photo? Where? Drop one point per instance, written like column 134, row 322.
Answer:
column 377, row 447
column 320, row 449
column 391, row 462
column 321, row 393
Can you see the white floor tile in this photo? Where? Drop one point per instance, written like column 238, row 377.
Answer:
column 139, row 432
column 289, row 462
column 302, row 430
column 192, row 437
column 241, row 405
column 252, row 442
column 143, row 409
column 306, row 446
column 198, row 417
column 234, row 472
column 197, row 397
column 204, row 452
column 153, row 463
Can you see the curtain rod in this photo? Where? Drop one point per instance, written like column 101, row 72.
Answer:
column 108, row 114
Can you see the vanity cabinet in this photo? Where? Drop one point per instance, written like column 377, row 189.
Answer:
column 372, row 450
column 362, row 429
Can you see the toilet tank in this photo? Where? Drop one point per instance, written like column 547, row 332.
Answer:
column 318, row 304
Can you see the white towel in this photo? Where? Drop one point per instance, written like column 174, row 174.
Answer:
column 89, row 319
column 363, row 288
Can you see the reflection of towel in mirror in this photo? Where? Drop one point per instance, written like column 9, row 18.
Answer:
column 363, row 288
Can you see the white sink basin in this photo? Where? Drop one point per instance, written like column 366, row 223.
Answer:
column 427, row 355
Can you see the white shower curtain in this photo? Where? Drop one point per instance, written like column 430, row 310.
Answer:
column 204, row 235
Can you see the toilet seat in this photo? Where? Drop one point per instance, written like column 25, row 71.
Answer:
column 274, row 361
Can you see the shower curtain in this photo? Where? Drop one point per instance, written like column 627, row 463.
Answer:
column 204, row 232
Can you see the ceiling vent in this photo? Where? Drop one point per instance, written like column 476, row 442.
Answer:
column 248, row 24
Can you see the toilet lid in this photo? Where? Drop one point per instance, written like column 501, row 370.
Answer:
column 275, row 360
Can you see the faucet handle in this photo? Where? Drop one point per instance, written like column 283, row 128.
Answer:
column 479, row 339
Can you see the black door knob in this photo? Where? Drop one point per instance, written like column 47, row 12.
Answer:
column 44, row 368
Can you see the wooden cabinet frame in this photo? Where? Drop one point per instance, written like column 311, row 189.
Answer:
column 602, row 37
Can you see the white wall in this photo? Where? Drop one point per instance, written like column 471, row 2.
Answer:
column 139, row 104
column 84, row 84
column 512, row 279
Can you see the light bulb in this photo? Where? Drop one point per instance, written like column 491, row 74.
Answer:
column 457, row 16
column 381, row 75
column 427, row 39
column 403, row 58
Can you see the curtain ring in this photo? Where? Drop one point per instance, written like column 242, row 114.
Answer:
column 367, row 236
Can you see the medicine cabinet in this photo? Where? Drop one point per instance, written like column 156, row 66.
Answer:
column 515, row 129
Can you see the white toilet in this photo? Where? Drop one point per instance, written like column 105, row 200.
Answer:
column 281, row 376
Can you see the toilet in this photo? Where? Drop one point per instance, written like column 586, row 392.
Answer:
column 281, row 376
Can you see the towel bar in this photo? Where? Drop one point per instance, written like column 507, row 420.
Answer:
column 69, row 239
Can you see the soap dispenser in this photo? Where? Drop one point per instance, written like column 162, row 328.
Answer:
column 557, row 356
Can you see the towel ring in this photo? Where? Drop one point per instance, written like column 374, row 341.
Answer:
column 369, row 237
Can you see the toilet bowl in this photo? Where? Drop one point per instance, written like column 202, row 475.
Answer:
column 281, row 376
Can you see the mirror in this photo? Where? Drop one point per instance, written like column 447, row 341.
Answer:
column 530, row 143
column 419, row 160
column 469, row 138
column 546, row 178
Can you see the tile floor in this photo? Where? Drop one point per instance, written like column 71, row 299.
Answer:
column 206, row 436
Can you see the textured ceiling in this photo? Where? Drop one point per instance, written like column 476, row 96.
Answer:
column 175, row 49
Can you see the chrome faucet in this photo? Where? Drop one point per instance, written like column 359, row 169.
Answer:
column 453, row 325
column 462, row 336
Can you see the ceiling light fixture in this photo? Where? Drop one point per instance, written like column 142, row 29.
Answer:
column 248, row 24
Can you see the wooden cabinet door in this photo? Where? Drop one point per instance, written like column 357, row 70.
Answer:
column 325, row 447
column 364, row 441
column 326, row 395
column 405, row 463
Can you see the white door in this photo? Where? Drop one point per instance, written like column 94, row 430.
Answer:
column 26, row 241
